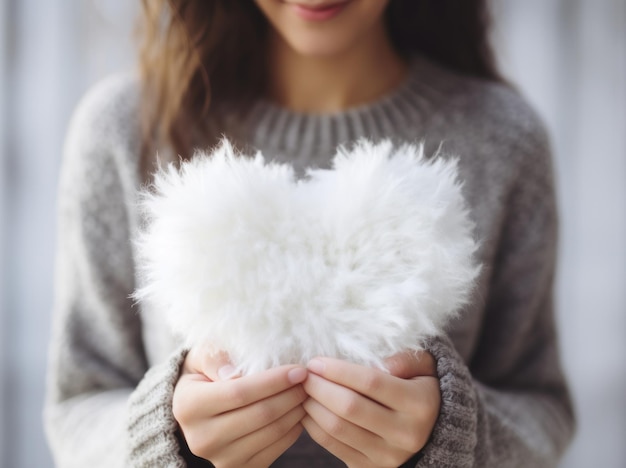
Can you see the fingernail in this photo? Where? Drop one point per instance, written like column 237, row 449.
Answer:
column 316, row 366
column 296, row 375
column 226, row 372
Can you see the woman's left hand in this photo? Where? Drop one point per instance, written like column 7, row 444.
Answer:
column 369, row 418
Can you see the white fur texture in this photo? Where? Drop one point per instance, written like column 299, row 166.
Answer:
column 358, row 262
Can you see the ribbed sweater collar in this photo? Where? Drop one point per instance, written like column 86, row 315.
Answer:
column 303, row 136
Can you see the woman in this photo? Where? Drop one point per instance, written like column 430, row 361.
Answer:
column 295, row 79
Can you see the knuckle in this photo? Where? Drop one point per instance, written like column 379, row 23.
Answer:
column 350, row 407
column 336, row 427
column 372, row 381
column 265, row 413
column 236, row 396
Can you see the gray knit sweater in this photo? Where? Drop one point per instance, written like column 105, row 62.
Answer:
column 113, row 366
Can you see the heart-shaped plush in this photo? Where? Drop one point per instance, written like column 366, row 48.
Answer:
column 357, row 262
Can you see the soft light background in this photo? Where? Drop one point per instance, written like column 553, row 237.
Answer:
column 567, row 56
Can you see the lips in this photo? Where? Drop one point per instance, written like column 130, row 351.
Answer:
column 318, row 11
column 318, row 6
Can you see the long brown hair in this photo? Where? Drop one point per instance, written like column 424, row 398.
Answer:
column 201, row 54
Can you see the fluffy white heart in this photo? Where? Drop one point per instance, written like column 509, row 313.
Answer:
column 357, row 262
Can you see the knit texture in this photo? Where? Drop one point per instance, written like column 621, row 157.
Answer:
column 150, row 422
column 113, row 366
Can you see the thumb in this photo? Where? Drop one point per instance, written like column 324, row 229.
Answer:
column 215, row 365
column 410, row 364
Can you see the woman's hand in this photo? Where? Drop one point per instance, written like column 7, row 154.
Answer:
column 239, row 422
column 369, row 418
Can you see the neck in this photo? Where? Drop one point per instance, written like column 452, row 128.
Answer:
column 331, row 83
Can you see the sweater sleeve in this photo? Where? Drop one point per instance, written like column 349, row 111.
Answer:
column 104, row 407
column 509, row 407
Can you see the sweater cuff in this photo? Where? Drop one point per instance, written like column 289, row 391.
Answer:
column 151, row 424
column 454, row 438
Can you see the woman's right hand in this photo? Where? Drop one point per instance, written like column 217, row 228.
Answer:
column 238, row 422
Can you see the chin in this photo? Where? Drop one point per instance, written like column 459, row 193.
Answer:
column 357, row 24
column 317, row 45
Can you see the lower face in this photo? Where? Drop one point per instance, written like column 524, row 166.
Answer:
column 324, row 27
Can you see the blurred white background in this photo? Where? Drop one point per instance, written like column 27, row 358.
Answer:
column 567, row 56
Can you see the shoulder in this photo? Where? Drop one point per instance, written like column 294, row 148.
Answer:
column 501, row 142
column 495, row 116
column 502, row 113
column 489, row 125
column 102, row 145
column 104, row 130
column 95, row 193
column 107, row 117
column 515, row 136
column 113, row 99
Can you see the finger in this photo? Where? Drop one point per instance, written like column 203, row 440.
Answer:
column 350, row 405
column 348, row 455
column 237, row 423
column 265, row 437
column 216, row 365
column 267, row 456
column 410, row 364
column 373, row 383
column 212, row 365
column 238, row 453
column 371, row 445
column 227, row 395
